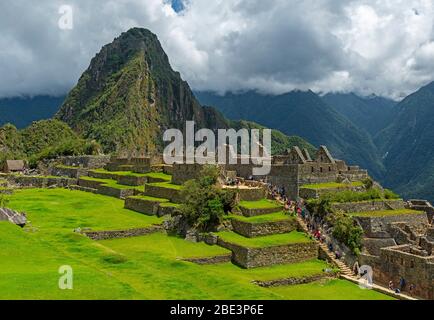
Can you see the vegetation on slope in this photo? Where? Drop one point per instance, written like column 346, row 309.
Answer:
column 205, row 203
column 407, row 146
column 43, row 139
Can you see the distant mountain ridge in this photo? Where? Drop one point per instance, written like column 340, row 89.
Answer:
column 22, row 111
column 369, row 113
column 305, row 114
column 407, row 146
column 130, row 95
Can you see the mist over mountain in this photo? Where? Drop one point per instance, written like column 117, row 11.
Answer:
column 130, row 94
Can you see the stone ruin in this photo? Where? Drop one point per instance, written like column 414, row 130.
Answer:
column 292, row 170
column 12, row 216
column 401, row 246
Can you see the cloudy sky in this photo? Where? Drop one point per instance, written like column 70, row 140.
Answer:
column 384, row 47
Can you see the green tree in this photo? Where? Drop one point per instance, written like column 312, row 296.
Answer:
column 205, row 202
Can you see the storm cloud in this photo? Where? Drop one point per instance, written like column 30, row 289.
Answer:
column 366, row 46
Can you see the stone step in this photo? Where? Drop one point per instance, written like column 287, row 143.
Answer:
column 254, row 227
column 258, row 208
column 211, row 260
column 165, row 191
column 85, row 189
column 268, row 250
column 150, row 206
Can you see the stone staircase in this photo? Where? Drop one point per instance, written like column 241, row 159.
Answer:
column 344, row 269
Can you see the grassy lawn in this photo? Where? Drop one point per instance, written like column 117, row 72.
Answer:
column 295, row 270
column 33, row 272
column 267, row 241
column 65, row 210
column 332, row 185
column 385, row 213
column 114, row 184
column 148, row 198
column 167, row 185
column 161, row 243
column 274, row 217
column 157, row 175
column 134, row 268
column 261, row 204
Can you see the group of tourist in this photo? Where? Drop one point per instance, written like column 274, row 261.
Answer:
column 277, row 192
column 233, row 181
column 401, row 287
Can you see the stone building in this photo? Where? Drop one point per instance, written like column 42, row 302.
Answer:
column 289, row 171
column 14, row 166
column 401, row 247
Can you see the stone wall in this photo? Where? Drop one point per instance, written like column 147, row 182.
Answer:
column 147, row 207
column 251, row 230
column 379, row 227
column 89, row 162
column 74, row 173
column 184, row 172
column 368, row 206
column 247, row 212
column 131, row 180
column 267, row 256
column 310, row 193
column 249, row 194
column 92, row 184
column 115, row 192
column 295, row 281
column 373, row 246
column 41, row 182
column 118, row 234
column 285, row 176
column 394, row 263
column 210, row 260
column 174, row 195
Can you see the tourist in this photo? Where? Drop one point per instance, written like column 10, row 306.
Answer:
column 391, row 285
column 412, row 287
column 402, row 284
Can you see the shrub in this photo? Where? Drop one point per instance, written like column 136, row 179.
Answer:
column 353, row 196
column 368, row 183
column 4, row 200
column 347, row 231
column 390, row 195
column 205, row 204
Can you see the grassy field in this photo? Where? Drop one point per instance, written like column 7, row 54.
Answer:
column 149, row 267
column 273, row 217
column 385, row 213
column 65, row 210
column 261, row 204
column 157, row 175
column 267, row 241
column 167, row 185
column 114, row 184
column 332, row 185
